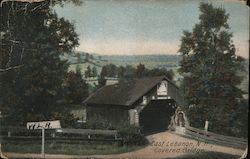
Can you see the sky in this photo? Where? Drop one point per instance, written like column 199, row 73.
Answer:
column 147, row 26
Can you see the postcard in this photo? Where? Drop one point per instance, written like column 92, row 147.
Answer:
column 124, row 79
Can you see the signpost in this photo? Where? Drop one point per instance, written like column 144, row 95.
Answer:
column 43, row 125
column 206, row 125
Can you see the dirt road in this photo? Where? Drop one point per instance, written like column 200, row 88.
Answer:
column 162, row 145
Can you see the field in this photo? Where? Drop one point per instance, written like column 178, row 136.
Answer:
column 169, row 62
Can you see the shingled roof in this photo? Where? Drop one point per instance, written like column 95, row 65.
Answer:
column 125, row 93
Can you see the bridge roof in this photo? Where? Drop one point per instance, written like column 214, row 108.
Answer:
column 125, row 93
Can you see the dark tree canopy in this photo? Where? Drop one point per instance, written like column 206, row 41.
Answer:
column 140, row 70
column 88, row 72
column 210, row 68
column 75, row 88
column 94, row 72
column 32, row 39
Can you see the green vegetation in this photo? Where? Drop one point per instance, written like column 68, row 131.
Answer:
column 43, row 85
column 129, row 72
column 42, row 78
column 33, row 73
column 211, row 69
column 130, row 134
column 169, row 62
column 70, row 149
column 75, row 89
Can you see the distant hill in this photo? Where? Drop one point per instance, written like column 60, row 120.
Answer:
column 161, row 60
column 146, row 58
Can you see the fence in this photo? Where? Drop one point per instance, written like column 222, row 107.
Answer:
column 213, row 138
column 23, row 135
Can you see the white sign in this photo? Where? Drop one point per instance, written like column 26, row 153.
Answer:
column 44, row 125
column 162, row 88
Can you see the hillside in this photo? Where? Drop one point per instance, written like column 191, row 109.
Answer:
column 94, row 60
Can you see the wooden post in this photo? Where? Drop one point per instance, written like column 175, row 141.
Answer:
column 43, row 140
column 206, row 125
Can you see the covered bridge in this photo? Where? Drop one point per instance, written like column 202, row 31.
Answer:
column 148, row 102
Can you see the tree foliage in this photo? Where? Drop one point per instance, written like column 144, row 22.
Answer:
column 94, row 72
column 140, row 70
column 129, row 71
column 210, row 67
column 88, row 72
column 75, row 87
column 33, row 37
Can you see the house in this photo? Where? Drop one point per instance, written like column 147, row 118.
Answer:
column 146, row 102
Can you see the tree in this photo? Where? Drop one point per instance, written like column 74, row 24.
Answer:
column 88, row 72
column 159, row 72
column 111, row 70
column 87, row 57
column 78, row 56
column 101, row 78
column 140, row 70
column 91, row 57
column 130, row 72
column 120, row 71
column 101, row 82
column 34, row 38
column 209, row 66
column 94, row 72
column 75, row 88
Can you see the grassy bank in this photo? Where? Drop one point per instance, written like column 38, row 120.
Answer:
column 70, row 149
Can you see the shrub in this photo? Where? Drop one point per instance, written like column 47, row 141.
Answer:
column 131, row 134
column 97, row 124
column 67, row 119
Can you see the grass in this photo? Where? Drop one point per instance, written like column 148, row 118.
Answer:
column 207, row 155
column 70, row 149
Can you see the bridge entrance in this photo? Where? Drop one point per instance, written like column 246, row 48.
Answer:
column 156, row 116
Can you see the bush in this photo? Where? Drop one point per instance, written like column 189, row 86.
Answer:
column 97, row 124
column 67, row 119
column 131, row 134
